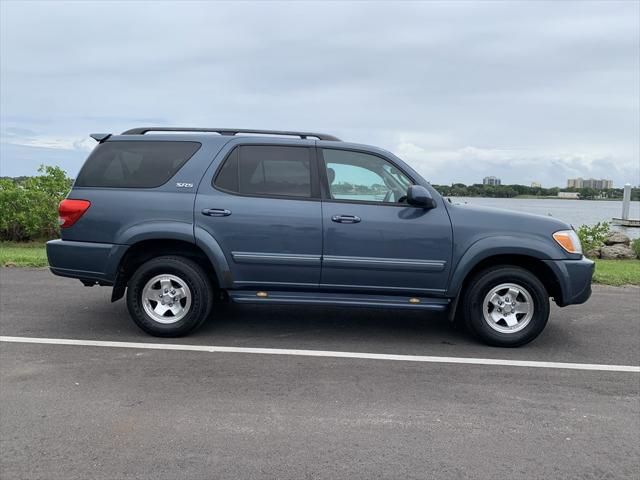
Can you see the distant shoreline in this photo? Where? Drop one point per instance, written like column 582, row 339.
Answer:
column 540, row 197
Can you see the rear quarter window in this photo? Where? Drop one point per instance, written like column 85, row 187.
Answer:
column 143, row 164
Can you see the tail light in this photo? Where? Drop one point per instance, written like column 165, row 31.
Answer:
column 70, row 211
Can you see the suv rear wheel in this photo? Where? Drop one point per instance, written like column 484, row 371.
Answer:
column 169, row 296
column 506, row 306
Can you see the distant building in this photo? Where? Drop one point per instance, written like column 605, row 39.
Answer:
column 491, row 181
column 574, row 195
column 536, row 185
column 598, row 184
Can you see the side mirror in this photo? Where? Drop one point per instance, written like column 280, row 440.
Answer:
column 418, row 196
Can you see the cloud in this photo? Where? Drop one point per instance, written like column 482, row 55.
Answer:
column 471, row 164
column 523, row 90
column 54, row 143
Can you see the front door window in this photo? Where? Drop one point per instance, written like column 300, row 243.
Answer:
column 363, row 177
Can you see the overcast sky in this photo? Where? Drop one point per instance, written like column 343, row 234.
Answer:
column 530, row 91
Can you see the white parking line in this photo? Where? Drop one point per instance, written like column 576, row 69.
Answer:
column 324, row 353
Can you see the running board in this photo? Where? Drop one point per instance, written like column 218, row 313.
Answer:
column 320, row 298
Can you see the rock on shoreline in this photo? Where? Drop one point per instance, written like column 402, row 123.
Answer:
column 617, row 238
column 616, row 247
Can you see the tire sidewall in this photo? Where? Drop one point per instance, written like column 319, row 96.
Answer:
column 191, row 274
column 489, row 279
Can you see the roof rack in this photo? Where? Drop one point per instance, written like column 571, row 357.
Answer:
column 230, row 132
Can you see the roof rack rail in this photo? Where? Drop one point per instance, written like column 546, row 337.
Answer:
column 231, row 132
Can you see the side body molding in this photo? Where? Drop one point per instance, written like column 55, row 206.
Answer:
column 497, row 245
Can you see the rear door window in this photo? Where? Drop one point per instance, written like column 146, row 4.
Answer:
column 143, row 164
column 267, row 170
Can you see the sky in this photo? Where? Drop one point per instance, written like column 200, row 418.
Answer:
column 526, row 91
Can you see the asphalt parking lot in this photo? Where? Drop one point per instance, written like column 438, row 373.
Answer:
column 78, row 411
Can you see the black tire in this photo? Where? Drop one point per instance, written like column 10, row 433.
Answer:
column 479, row 288
column 186, row 270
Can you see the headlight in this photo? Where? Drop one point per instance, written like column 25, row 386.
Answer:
column 569, row 240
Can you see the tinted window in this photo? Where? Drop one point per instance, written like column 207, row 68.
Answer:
column 227, row 178
column 143, row 164
column 363, row 177
column 267, row 170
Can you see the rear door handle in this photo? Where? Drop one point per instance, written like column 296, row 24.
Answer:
column 345, row 218
column 216, row 212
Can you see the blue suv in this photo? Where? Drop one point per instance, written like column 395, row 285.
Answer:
column 181, row 218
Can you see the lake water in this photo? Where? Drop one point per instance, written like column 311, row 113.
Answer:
column 575, row 212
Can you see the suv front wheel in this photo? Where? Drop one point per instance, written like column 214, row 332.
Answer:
column 506, row 306
column 169, row 296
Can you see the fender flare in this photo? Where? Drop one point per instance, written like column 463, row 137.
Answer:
column 214, row 252
column 487, row 247
column 147, row 231
column 188, row 233
column 173, row 231
column 156, row 230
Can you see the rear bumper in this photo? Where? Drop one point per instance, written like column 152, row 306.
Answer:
column 574, row 278
column 87, row 261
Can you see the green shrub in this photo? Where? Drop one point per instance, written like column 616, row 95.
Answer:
column 635, row 245
column 29, row 209
column 593, row 236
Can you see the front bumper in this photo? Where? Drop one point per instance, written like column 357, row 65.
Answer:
column 87, row 261
column 574, row 278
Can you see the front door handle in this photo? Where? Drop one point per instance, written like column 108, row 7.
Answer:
column 345, row 218
column 216, row 212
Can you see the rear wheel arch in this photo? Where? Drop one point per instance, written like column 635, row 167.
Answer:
column 145, row 250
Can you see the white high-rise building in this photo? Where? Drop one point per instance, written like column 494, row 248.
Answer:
column 491, row 181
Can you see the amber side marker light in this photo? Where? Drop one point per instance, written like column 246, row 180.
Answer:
column 568, row 240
